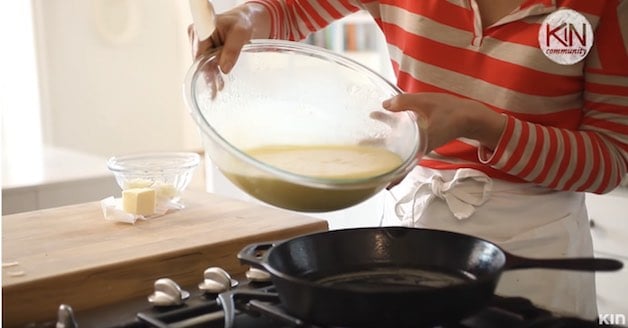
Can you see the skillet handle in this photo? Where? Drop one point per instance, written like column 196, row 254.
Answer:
column 256, row 254
column 575, row 264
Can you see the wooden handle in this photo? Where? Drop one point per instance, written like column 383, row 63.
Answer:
column 204, row 18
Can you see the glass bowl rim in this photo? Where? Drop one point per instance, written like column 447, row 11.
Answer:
column 191, row 160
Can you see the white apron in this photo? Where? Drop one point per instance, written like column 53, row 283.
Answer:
column 523, row 219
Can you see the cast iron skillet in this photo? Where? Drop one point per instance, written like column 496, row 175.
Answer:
column 393, row 276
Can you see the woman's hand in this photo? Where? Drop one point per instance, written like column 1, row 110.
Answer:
column 446, row 117
column 234, row 29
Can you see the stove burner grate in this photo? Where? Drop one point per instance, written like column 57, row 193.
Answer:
column 204, row 314
column 257, row 304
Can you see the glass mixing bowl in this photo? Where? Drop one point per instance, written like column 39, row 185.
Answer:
column 289, row 95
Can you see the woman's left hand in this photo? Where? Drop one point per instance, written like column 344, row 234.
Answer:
column 445, row 117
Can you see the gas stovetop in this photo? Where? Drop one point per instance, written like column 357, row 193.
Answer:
column 220, row 301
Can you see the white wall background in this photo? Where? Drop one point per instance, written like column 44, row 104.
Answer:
column 111, row 73
column 19, row 97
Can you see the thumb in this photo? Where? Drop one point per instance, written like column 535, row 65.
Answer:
column 413, row 102
column 406, row 101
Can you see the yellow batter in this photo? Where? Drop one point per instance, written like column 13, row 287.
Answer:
column 335, row 162
column 329, row 161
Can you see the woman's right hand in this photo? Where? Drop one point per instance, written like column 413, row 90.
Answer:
column 234, row 29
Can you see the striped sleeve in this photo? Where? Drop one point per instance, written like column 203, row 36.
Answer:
column 295, row 19
column 593, row 158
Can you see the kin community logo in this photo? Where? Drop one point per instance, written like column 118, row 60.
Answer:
column 566, row 37
column 611, row 319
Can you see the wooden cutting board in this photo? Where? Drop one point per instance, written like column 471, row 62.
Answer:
column 72, row 255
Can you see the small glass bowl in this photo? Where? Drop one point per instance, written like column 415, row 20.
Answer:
column 169, row 173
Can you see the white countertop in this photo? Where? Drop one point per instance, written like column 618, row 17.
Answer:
column 51, row 177
column 50, row 165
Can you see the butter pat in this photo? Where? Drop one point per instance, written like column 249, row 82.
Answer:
column 137, row 183
column 140, row 201
column 165, row 190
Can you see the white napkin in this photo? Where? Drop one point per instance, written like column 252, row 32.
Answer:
column 112, row 210
column 466, row 190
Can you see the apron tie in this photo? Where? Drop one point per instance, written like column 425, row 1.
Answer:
column 467, row 190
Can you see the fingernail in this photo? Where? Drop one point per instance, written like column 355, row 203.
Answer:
column 226, row 66
column 386, row 104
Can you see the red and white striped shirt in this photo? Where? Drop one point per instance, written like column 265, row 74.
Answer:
column 567, row 126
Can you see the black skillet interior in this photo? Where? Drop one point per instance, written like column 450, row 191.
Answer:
column 387, row 259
